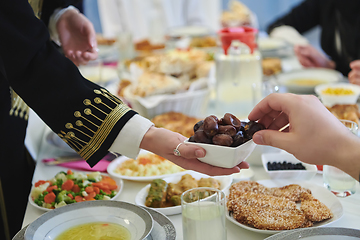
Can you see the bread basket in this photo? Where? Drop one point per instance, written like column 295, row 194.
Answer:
column 192, row 103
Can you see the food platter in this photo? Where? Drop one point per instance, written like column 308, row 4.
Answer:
column 321, row 193
column 116, row 162
column 225, row 182
column 135, row 219
column 119, row 189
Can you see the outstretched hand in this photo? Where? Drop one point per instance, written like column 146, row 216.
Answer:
column 314, row 135
column 77, row 37
column 309, row 56
column 163, row 142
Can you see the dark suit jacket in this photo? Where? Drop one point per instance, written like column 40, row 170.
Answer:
column 85, row 115
column 82, row 113
column 330, row 15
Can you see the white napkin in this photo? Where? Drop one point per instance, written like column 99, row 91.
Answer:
column 289, row 34
column 152, row 101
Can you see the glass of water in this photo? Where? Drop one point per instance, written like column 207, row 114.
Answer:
column 203, row 214
column 337, row 181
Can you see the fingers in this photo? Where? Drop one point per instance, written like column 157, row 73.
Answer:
column 354, row 77
column 274, row 138
column 280, row 121
column 72, row 56
column 90, row 55
column 81, row 58
column 191, row 151
column 355, row 65
column 244, row 165
column 272, row 105
column 306, row 62
column 205, row 168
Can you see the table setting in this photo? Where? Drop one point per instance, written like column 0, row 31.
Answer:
column 202, row 211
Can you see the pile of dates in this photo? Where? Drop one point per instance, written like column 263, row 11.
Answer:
column 227, row 131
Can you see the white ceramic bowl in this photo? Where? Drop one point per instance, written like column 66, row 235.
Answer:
column 226, row 157
column 307, row 174
column 191, row 103
column 225, row 182
column 330, row 100
column 297, row 81
column 51, row 224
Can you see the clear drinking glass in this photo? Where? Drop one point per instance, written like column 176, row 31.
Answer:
column 337, row 181
column 203, row 214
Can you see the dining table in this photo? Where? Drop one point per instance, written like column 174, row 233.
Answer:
column 351, row 204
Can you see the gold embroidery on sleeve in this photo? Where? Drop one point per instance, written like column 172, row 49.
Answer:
column 88, row 134
column 18, row 107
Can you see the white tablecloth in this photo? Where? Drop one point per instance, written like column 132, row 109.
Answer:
column 350, row 219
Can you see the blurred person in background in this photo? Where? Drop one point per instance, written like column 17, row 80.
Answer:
column 151, row 19
column 340, row 35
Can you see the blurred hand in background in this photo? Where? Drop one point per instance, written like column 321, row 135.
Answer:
column 309, row 56
column 77, row 37
column 354, row 74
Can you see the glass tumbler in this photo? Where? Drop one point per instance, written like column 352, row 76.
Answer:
column 203, row 214
column 337, row 181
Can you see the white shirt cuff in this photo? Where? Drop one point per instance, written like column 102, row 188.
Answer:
column 128, row 141
column 54, row 19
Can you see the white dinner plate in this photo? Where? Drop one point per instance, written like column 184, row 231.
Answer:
column 51, row 224
column 163, row 228
column 273, row 47
column 111, row 169
column 320, row 193
column 321, row 75
column 225, row 182
column 119, row 182
column 328, row 233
